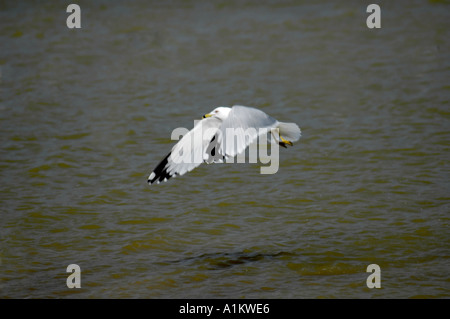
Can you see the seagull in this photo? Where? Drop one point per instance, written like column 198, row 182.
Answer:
column 207, row 141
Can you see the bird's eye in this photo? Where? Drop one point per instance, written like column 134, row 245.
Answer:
column 216, row 112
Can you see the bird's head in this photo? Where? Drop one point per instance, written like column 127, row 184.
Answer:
column 220, row 112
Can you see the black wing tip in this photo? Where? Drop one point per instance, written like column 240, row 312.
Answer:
column 160, row 173
column 164, row 177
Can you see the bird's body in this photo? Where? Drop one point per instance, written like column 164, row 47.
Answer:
column 207, row 141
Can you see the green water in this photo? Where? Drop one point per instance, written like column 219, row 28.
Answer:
column 86, row 114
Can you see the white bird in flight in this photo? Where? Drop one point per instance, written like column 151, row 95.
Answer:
column 207, row 141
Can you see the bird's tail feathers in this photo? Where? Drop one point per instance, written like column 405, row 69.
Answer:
column 290, row 131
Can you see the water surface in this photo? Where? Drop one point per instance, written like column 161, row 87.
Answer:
column 86, row 114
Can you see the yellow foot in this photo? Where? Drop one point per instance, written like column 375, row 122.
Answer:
column 285, row 141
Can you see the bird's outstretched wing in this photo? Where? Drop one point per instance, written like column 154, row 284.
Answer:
column 188, row 153
column 242, row 127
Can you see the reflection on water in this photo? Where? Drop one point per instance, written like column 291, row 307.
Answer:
column 225, row 260
column 87, row 114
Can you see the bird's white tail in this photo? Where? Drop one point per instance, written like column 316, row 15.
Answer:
column 290, row 131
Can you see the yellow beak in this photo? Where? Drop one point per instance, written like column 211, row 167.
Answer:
column 206, row 115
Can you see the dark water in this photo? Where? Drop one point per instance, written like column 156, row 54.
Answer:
column 86, row 114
